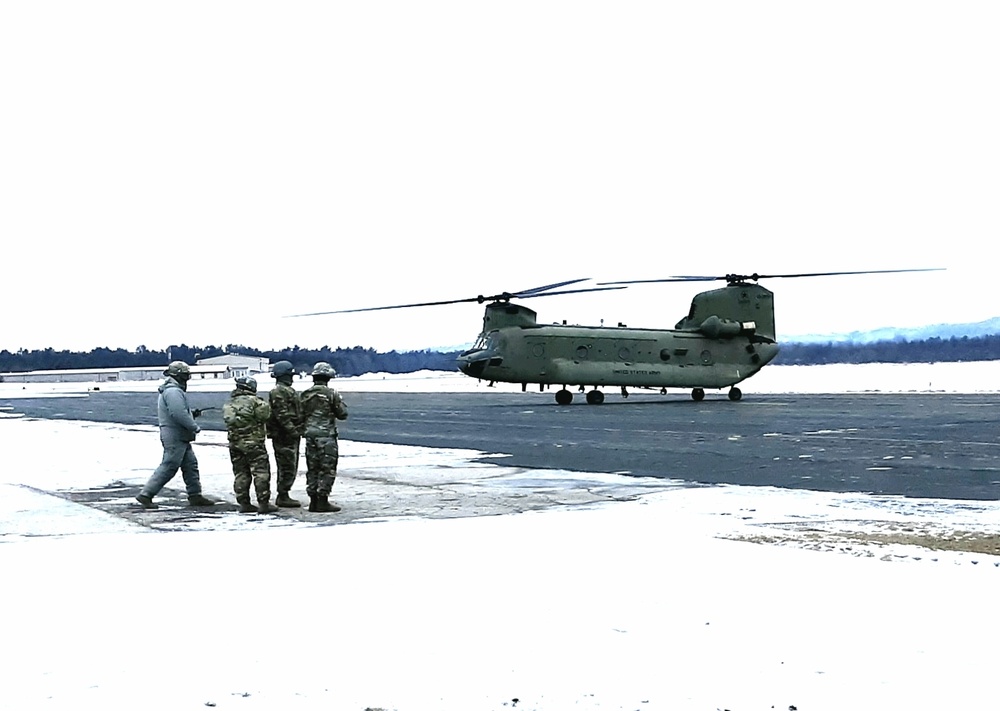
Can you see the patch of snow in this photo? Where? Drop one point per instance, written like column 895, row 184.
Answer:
column 651, row 594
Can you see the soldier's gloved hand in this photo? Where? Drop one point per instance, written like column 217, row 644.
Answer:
column 196, row 413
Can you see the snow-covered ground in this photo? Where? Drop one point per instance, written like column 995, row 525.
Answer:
column 586, row 592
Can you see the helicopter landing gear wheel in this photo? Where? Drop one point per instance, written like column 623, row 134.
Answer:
column 595, row 397
column 735, row 394
column 698, row 394
column 564, row 397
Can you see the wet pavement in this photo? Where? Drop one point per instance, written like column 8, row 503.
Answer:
column 72, row 477
column 918, row 445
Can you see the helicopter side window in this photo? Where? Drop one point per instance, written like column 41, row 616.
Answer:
column 582, row 352
column 665, row 354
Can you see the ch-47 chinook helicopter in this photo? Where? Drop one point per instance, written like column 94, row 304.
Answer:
column 727, row 336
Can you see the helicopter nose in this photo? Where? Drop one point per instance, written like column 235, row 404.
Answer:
column 474, row 369
column 473, row 363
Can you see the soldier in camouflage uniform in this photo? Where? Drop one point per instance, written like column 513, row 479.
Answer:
column 322, row 406
column 285, row 430
column 246, row 417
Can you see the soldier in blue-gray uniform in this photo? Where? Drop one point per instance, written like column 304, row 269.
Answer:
column 322, row 406
column 285, row 430
column 246, row 417
column 177, row 431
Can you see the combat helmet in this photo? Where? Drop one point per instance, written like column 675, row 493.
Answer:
column 323, row 370
column 245, row 382
column 178, row 369
column 282, row 368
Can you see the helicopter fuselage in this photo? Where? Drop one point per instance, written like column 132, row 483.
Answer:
column 627, row 357
column 727, row 336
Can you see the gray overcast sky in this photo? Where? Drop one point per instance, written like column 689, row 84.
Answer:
column 193, row 171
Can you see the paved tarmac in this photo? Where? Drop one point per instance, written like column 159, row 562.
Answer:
column 919, row 445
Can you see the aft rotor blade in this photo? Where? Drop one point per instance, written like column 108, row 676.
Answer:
column 735, row 278
column 659, row 281
column 819, row 274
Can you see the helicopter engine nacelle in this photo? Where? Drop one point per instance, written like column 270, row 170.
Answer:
column 731, row 311
column 715, row 327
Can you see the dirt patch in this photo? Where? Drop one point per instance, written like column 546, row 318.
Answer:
column 872, row 542
column 967, row 541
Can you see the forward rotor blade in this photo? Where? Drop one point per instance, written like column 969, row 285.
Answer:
column 505, row 296
column 386, row 308
column 528, row 293
column 570, row 291
column 549, row 286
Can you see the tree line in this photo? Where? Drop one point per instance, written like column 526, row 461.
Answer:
column 346, row 361
column 358, row 360
column 930, row 350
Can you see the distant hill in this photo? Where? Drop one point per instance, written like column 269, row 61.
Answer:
column 989, row 327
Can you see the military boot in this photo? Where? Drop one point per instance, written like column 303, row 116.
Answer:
column 201, row 500
column 323, row 504
column 146, row 502
column 285, row 501
column 245, row 505
column 265, row 507
column 312, row 502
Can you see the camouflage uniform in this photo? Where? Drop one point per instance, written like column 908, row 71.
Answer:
column 322, row 406
column 246, row 417
column 285, row 431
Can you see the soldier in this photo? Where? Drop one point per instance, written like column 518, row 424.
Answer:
column 177, row 431
column 246, row 417
column 285, row 430
column 322, row 406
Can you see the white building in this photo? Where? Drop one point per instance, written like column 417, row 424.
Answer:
column 115, row 375
column 230, row 365
column 238, row 364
